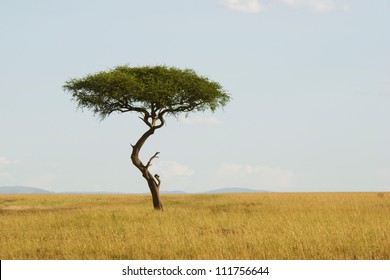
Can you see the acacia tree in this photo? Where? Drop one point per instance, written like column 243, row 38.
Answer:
column 154, row 93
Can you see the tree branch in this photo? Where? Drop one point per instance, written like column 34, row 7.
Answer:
column 128, row 108
column 158, row 180
column 150, row 160
column 145, row 119
column 182, row 108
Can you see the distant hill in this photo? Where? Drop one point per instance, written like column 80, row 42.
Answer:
column 22, row 190
column 31, row 190
column 173, row 192
column 235, row 190
column 97, row 192
column 216, row 191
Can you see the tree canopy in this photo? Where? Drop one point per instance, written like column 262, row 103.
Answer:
column 158, row 90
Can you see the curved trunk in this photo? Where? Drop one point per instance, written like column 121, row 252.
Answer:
column 153, row 181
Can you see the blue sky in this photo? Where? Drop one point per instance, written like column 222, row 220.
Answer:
column 310, row 82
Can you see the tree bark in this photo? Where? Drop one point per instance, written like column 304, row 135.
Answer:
column 153, row 181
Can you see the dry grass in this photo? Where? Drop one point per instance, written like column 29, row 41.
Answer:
column 231, row 226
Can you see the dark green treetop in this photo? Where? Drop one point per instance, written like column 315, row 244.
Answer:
column 158, row 90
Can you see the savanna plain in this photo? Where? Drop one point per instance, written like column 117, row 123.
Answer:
column 281, row 226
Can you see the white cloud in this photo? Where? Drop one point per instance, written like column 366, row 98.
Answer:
column 318, row 6
column 34, row 174
column 171, row 169
column 243, row 6
column 292, row 3
column 246, row 175
column 7, row 162
column 322, row 6
column 200, row 121
column 4, row 161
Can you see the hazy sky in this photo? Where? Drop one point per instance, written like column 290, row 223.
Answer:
column 310, row 82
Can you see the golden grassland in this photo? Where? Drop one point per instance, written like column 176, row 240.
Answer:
column 219, row 226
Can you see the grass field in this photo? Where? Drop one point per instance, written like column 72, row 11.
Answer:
column 224, row 226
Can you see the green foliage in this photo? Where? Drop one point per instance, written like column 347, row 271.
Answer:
column 152, row 91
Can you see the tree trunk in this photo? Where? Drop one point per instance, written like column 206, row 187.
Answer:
column 153, row 181
column 155, row 191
